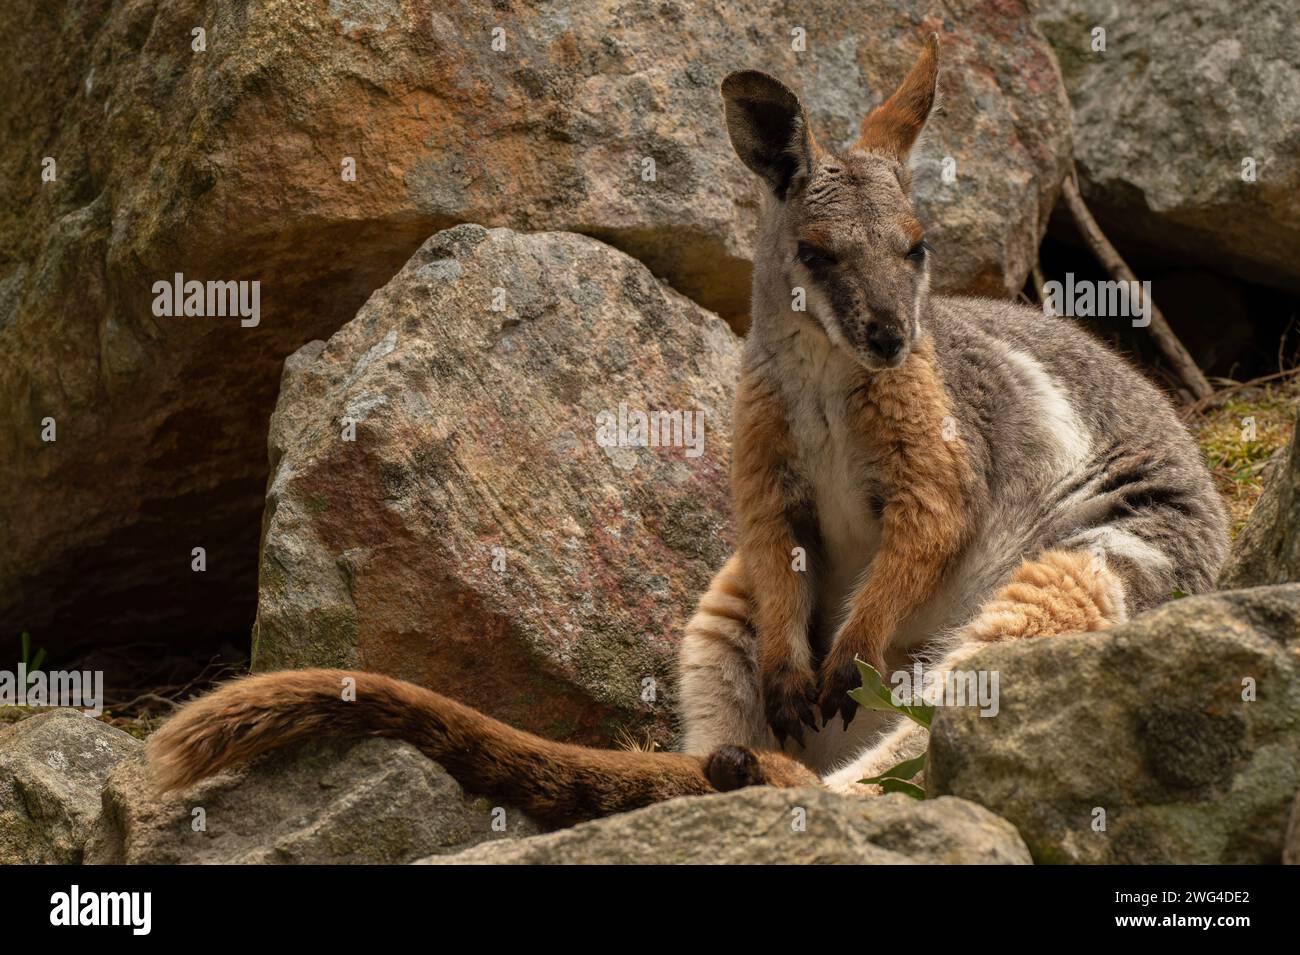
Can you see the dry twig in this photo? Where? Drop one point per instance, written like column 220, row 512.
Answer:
column 1106, row 254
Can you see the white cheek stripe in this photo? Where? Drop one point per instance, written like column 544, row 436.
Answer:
column 1062, row 425
column 821, row 310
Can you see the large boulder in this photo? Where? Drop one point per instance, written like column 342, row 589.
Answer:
column 52, row 768
column 336, row 801
column 479, row 536
column 1172, row 738
column 1267, row 549
column 1165, row 117
column 228, row 163
column 765, row 825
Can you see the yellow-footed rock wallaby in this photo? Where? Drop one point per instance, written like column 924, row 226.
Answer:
column 913, row 476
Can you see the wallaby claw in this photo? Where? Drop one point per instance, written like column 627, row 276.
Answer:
column 837, row 681
column 790, row 706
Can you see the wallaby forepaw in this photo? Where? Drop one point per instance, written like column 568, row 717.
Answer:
column 838, row 678
column 788, row 698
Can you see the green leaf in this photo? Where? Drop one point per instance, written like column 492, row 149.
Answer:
column 904, row 770
column 874, row 695
column 25, row 652
column 902, row 786
column 863, row 697
column 873, row 683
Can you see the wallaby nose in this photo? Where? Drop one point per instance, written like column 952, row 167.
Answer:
column 884, row 341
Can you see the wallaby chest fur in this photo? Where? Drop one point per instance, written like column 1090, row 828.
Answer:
column 816, row 383
column 1045, row 414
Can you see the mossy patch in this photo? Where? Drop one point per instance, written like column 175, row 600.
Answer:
column 1241, row 436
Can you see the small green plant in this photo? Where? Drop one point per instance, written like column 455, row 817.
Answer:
column 25, row 653
column 874, row 695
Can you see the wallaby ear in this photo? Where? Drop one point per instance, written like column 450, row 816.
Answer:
column 768, row 128
column 892, row 127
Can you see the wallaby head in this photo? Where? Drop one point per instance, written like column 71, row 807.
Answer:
column 841, row 225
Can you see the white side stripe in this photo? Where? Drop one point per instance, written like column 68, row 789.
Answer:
column 1121, row 543
column 1054, row 411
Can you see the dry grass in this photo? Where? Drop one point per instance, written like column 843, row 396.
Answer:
column 139, row 710
column 1238, row 458
column 138, row 726
column 630, row 740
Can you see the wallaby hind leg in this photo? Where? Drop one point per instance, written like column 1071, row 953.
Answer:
column 718, row 676
column 1062, row 591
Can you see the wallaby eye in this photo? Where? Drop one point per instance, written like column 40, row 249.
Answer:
column 918, row 252
column 813, row 256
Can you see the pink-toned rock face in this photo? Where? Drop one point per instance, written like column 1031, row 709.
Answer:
column 229, row 164
column 488, row 533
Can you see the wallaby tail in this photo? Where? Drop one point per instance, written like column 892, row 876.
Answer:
column 555, row 782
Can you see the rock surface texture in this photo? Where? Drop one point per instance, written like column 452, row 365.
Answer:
column 1185, row 98
column 311, row 146
column 1176, row 731
column 52, row 769
column 340, row 801
column 763, row 825
column 481, row 535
